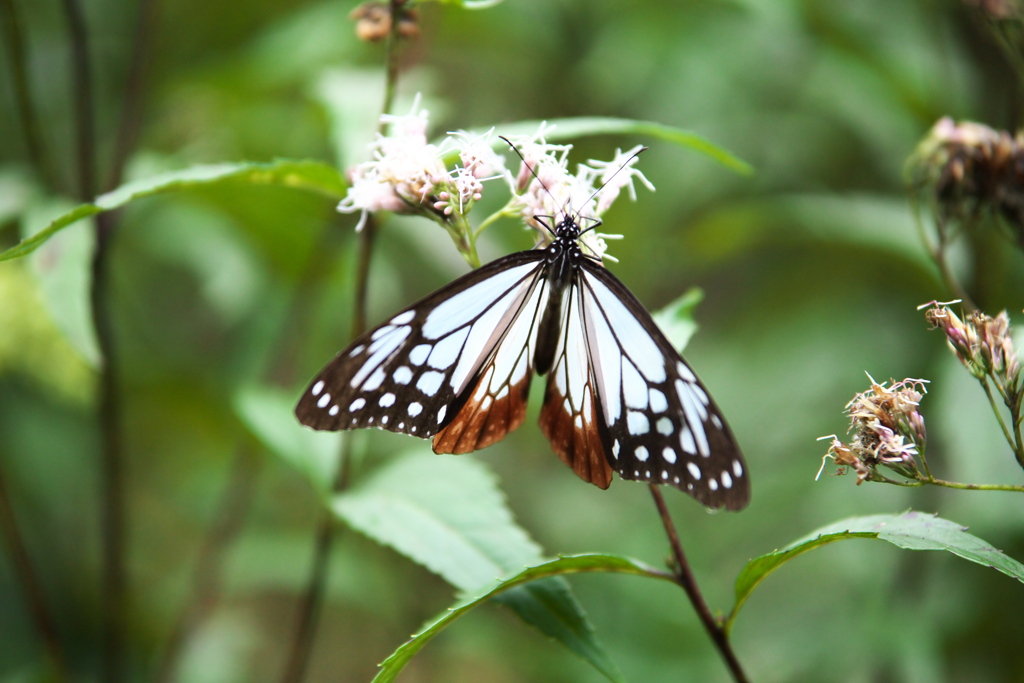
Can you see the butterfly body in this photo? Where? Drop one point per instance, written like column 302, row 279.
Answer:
column 457, row 365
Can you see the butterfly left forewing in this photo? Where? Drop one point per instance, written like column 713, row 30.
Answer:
column 495, row 399
column 658, row 422
column 411, row 374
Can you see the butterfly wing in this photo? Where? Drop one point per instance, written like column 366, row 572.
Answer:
column 414, row 373
column 617, row 378
column 569, row 417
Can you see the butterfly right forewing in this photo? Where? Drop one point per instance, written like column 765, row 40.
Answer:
column 658, row 423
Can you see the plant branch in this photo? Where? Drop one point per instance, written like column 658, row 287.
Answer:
column 309, row 609
column 17, row 54
column 999, row 417
column 684, row 577
column 206, row 584
column 26, row 573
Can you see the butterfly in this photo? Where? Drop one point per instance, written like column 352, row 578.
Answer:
column 456, row 367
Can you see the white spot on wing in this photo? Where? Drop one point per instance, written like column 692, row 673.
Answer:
column 419, row 354
column 402, row 375
column 685, row 372
column 357, row 404
column 415, row 409
column 429, row 382
column 615, row 449
column 665, row 426
column 713, row 484
column 726, row 480
column 387, row 400
column 638, row 423
column 694, row 470
column 686, row 441
column 641, row 453
column 374, row 381
column 324, row 400
column 634, row 388
column 659, row 404
column 446, row 351
column 317, row 388
column 440, row 414
column 669, row 455
column 403, row 318
column 334, row 410
column 737, row 468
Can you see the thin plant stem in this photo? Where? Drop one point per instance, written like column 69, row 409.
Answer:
column 312, row 601
column 17, row 54
column 113, row 602
column 132, row 101
column 973, row 487
column 309, row 610
column 206, row 584
column 26, row 573
column 684, row 577
column 999, row 417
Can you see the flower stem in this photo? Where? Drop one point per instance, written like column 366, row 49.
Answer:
column 18, row 57
column 684, row 577
column 30, row 583
column 1014, row 444
column 310, row 607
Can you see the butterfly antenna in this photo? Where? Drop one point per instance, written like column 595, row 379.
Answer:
column 537, row 177
column 605, row 183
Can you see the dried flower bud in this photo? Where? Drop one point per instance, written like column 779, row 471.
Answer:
column 373, row 21
column 887, row 429
column 982, row 343
column 969, row 169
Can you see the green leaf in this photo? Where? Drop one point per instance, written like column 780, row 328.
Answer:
column 676, row 319
column 577, row 127
column 910, row 530
column 269, row 414
column 561, row 567
column 63, row 269
column 313, row 176
column 448, row 515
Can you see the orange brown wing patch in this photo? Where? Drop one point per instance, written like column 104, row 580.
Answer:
column 494, row 409
column 574, row 435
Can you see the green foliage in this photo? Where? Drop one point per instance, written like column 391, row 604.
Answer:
column 538, row 584
column 312, row 176
column 908, row 530
column 811, row 268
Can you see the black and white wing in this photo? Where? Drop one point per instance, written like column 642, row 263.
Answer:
column 455, row 365
column 618, row 386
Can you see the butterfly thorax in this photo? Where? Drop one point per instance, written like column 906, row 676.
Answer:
column 564, row 256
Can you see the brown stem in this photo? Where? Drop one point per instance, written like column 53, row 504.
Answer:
column 309, row 609
column 206, row 584
column 17, row 54
column 312, row 602
column 684, row 577
column 30, row 582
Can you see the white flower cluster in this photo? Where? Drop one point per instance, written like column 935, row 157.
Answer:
column 547, row 190
column 407, row 175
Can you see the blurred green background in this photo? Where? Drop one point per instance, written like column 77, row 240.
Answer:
column 812, row 270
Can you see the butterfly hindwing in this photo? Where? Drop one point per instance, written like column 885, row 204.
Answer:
column 569, row 417
column 412, row 374
column 657, row 422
